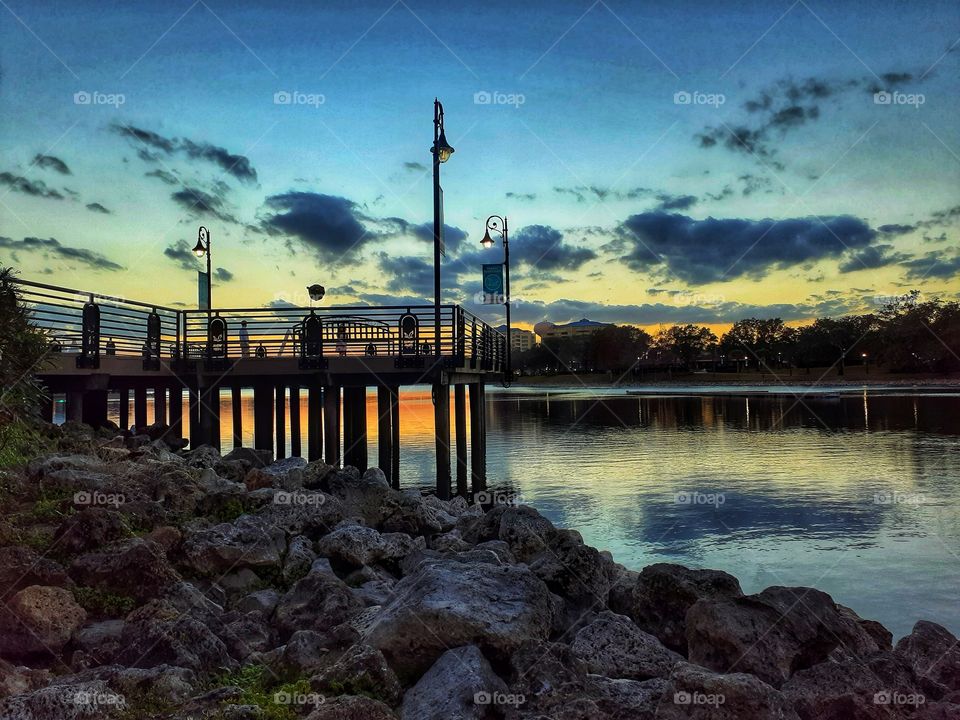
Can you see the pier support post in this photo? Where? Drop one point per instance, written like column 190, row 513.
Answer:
column 460, row 425
column 160, row 404
column 140, row 408
column 236, row 412
column 280, row 416
column 384, row 433
column 210, row 415
column 263, row 417
column 441, row 429
column 74, row 410
column 331, row 423
column 295, row 449
column 314, row 423
column 196, row 429
column 478, row 449
column 355, row 427
column 124, row 409
column 175, row 408
column 95, row 408
column 395, row 432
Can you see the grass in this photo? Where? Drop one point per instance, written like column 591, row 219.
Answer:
column 260, row 688
column 103, row 604
column 20, row 443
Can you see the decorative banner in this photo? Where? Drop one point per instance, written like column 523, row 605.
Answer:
column 493, row 284
column 202, row 281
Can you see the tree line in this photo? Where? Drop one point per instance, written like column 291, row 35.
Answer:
column 907, row 334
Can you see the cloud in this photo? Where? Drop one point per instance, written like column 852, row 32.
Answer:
column 182, row 255
column 871, row 258
column 36, row 188
column 543, row 248
column 53, row 247
column 150, row 144
column 896, row 229
column 712, row 250
column 49, row 162
column 676, row 202
column 222, row 274
column 415, row 167
column 163, row 176
column 527, row 197
column 202, row 203
column 453, row 236
column 582, row 192
column 327, row 224
column 97, row 207
column 409, row 274
column 932, row 265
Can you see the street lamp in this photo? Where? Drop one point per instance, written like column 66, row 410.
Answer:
column 866, row 363
column 499, row 226
column 316, row 293
column 441, row 153
column 200, row 249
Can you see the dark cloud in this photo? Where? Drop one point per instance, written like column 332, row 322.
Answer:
column 543, row 248
column 202, row 203
column 222, row 274
column 407, row 274
column 896, row 229
column 50, row 162
column 152, row 144
column 163, row 176
column 98, row 208
column 453, row 237
column 932, row 265
column 414, row 167
column 871, row 258
column 182, row 254
column 327, row 224
column 20, row 184
column 675, row 202
column 53, row 247
column 711, row 250
column 527, row 197
column 582, row 193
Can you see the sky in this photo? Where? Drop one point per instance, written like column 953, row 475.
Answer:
column 657, row 162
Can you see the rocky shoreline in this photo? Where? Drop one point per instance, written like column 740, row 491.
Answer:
column 142, row 581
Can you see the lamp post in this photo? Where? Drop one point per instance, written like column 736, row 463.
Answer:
column 200, row 249
column 866, row 363
column 441, row 153
column 499, row 226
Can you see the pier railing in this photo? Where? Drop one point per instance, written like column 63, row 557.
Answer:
column 92, row 325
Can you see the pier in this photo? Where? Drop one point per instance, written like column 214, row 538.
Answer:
column 103, row 345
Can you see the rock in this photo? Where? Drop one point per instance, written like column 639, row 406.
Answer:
column 315, row 475
column 374, row 592
column 361, row 670
column 39, row 620
column 21, row 567
column 257, row 479
column 306, row 652
column 262, row 601
column 302, row 512
column 204, row 456
column 166, row 536
column 693, row 693
column 461, row 685
column 662, row 594
column 933, row 652
column 359, row 498
column 101, row 640
column 349, row 707
column 247, row 634
column 89, row 528
column 136, row 568
column 446, row 603
column 80, row 701
column 17, row 680
column 375, row 475
column 937, row 711
column 613, row 646
column 625, row 699
column 284, row 466
column 299, row 558
column 357, row 545
column 525, row 531
column 250, row 541
column 550, row 679
column 573, row 570
column 253, row 457
column 318, row 602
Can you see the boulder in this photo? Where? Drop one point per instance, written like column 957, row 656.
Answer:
column 525, row 531
column 136, row 568
column 573, row 570
column 250, row 541
column 661, row 595
column 21, row 567
column 613, row 646
column 299, row 558
column 302, row 512
column 620, row 699
column 39, row 619
column 694, row 693
column 461, row 685
column 101, row 640
column 357, row 545
column 550, row 679
column 89, row 528
column 933, row 652
column 252, row 456
column 247, row 634
column 78, row 701
column 361, row 670
column 773, row 634
column 317, row 602
column 350, row 707
column 204, row 456
column 447, row 603
column 262, row 601
column 18, row 680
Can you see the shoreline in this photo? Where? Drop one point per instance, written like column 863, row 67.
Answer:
column 190, row 583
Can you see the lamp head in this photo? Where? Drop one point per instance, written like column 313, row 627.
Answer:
column 200, row 249
column 487, row 241
column 316, row 292
column 443, row 148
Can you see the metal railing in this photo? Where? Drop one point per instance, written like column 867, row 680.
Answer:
column 93, row 325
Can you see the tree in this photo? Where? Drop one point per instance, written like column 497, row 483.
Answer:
column 618, row 347
column 686, row 342
column 762, row 341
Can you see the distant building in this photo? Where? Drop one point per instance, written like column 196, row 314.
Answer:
column 548, row 330
column 520, row 340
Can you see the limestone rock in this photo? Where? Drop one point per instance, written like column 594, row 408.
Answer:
column 614, row 647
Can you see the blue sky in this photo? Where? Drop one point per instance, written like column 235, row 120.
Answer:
column 658, row 162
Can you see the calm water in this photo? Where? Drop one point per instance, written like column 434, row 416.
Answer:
column 856, row 494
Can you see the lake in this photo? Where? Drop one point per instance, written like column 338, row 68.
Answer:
column 854, row 493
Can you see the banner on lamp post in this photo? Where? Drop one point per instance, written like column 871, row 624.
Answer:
column 493, row 284
column 203, row 281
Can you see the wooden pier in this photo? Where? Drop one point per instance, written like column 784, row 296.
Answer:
column 102, row 345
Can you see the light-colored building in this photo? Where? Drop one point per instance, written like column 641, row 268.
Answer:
column 520, row 340
column 547, row 330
